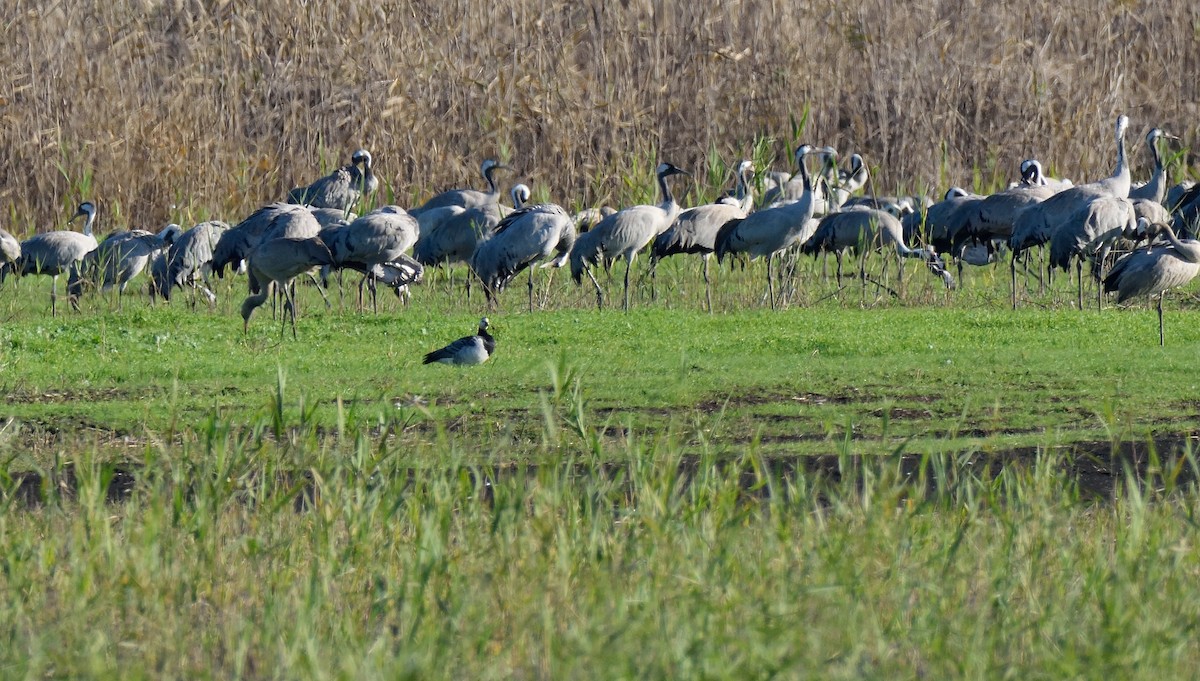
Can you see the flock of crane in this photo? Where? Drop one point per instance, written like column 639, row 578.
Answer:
column 805, row 213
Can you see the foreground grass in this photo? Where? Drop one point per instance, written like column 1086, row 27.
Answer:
column 616, row 562
column 613, row 496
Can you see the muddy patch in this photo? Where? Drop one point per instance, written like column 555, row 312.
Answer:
column 1100, row 469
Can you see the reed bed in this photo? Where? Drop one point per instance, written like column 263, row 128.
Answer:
column 184, row 109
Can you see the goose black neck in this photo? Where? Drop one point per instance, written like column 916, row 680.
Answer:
column 489, row 343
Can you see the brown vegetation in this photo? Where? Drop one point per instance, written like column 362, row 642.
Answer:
column 186, row 108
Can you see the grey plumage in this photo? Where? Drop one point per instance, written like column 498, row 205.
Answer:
column 58, row 252
column 451, row 233
column 521, row 240
column 468, row 350
column 1034, row 225
column 121, row 257
column 375, row 245
column 624, row 233
column 1154, row 270
column 187, row 259
column 275, row 263
column 466, row 198
column 769, row 231
column 235, row 244
column 695, row 230
column 1090, row 234
column 860, row 228
column 342, row 189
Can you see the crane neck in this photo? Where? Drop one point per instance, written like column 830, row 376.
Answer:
column 1189, row 250
column 745, row 194
column 489, row 175
column 668, row 205
column 1121, row 173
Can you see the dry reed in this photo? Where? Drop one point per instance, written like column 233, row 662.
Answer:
column 182, row 109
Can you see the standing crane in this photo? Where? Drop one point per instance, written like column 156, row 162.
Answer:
column 624, row 233
column 54, row 253
column 188, row 257
column 235, row 244
column 1154, row 270
column 274, row 264
column 450, row 234
column 521, row 240
column 1089, row 235
column 861, row 228
column 341, row 189
column 1034, row 225
column 121, row 257
column 375, row 245
column 769, row 231
column 695, row 230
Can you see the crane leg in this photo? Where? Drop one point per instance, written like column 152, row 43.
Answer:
column 707, row 284
column 1079, row 272
column 628, row 266
column 54, row 296
column 770, row 282
column 361, row 284
column 653, row 281
column 1162, row 338
column 838, row 255
column 1012, row 266
column 530, row 268
column 599, row 291
column 320, row 289
column 290, row 291
column 546, row 296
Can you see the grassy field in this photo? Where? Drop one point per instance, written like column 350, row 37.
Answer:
column 857, row 487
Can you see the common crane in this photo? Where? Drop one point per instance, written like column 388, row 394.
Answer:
column 1154, row 270
column 769, row 231
column 624, row 233
column 275, row 263
column 341, row 189
column 54, row 253
column 521, row 240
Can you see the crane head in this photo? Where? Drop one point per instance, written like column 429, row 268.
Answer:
column 87, row 209
column 1031, row 172
column 667, row 169
column 1122, row 125
column 520, row 194
column 491, row 164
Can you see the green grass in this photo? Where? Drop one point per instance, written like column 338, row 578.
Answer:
column 612, row 496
